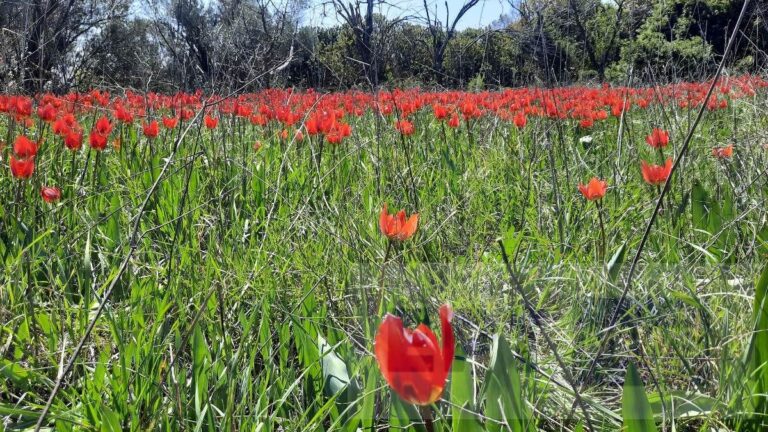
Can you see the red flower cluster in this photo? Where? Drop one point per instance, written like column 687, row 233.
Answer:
column 329, row 124
column 67, row 127
column 100, row 133
column 22, row 161
column 327, row 114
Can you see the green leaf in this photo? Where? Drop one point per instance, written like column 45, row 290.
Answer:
column 614, row 265
column 200, row 365
column 87, row 253
column 762, row 238
column 402, row 415
column 699, row 206
column 635, row 407
column 22, row 335
column 683, row 405
column 336, row 381
column 366, row 412
column 15, row 373
column 511, row 240
column 715, row 218
column 462, row 395
column 757, row 353
column 113, row 222
column 110, row 421
column 504, row 402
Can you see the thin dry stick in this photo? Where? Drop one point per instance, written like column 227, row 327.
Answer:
column 550, row 344
column 667, row 186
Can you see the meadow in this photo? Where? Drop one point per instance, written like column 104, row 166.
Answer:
column 228, row 262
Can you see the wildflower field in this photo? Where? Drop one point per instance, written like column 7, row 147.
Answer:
column 566, row 259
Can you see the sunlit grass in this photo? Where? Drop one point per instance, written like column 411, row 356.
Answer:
column 251, row 268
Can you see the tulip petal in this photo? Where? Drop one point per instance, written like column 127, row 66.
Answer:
column 432, row 355
column 409, row 228
column 446, row 330
column 401, row 355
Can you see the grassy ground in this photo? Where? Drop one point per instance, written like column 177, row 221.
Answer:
column 247, row 283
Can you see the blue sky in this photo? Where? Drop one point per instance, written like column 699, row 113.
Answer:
column 486, row 11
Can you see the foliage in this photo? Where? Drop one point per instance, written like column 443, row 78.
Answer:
column 255, row 272
column 227, row 45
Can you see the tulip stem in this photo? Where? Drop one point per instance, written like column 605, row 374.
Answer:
column 96, row 168
column 426, row 416
column 381, row 276
column 599, row 205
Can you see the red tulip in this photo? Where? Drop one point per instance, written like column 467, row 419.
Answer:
column 334, row 137
column 97, row 141
column 520, row 120
column 656, row 174
column 211, row 122
column 22, row 168
column 440, row 111
column 170, row 122
column 151, row 129
column 723, row 152
column 73, row 140
column 411, row 361
column 405, row 127
column 396, row 227
column 24, row 147
column 60, row 127
column 123, row 115
column 470, row 110
column 344, row 129
column 594, row 190
column 46, row 113
column 258, row 120
column 50, row 194
column 453, row 122
column 186, row 114
column 658, row 138
column 103, row 126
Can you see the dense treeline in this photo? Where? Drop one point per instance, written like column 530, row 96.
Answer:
column 231, row 45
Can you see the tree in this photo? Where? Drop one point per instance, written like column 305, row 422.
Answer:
column 48, row 34
column 253, row 37
column 125, row 54
column 358, row 15
column 185, row 29
column 441, row 34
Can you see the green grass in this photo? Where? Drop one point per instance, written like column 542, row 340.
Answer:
column 250, row 298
